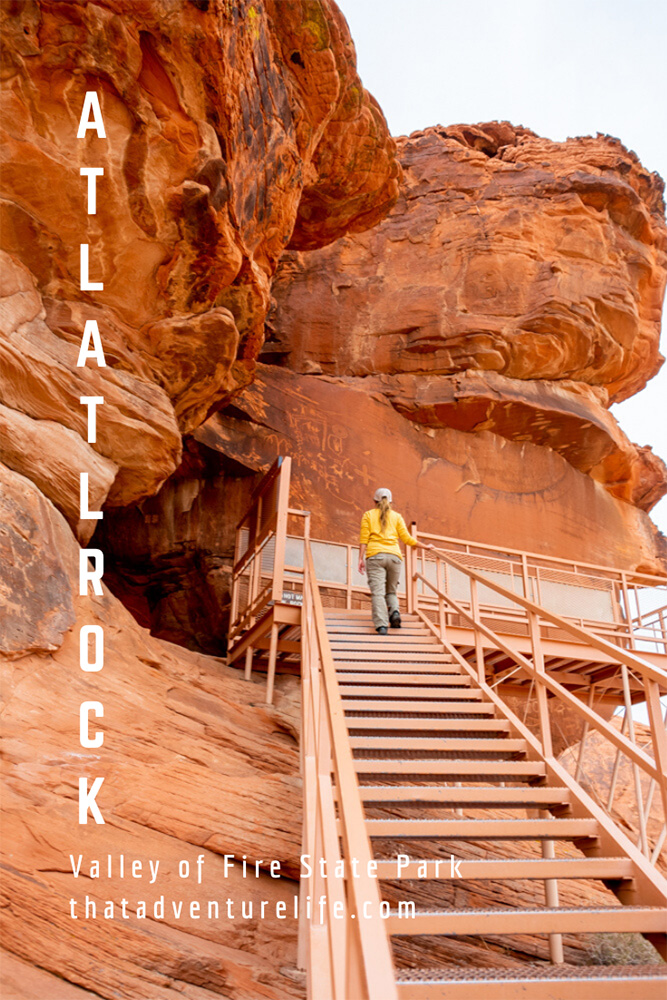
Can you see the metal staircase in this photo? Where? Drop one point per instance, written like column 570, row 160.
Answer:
column 428, row 740
column 419, row 779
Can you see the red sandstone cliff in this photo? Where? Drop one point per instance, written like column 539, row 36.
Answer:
column 515, row 288
column 234, row 130
column 476, row 336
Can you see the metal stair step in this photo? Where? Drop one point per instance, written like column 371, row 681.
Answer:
column 455, row 767
column 444, row 725
column 544, row 982
column 366, row 624
column 394, row 677
column 466, row 696
column 353, row 630
column 387, row 656
column 385, row 646
column 528, row 797
column 436, row 707
column 506, row 868
column 485, row 829
column 356, row 615
column 418, row 668
column 402, row 637
column 421, row 682
column 437, row 743
column 505, row 920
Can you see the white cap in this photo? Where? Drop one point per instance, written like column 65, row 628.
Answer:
column 381, row 493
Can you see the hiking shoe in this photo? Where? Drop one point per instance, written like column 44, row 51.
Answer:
column 395, row 619
column 381, row 630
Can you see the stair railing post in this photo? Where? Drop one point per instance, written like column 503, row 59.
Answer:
column 617, row 767
column 659, row 737
column 582, row 742
column 441, row 603
column 411, row 592
column 628, row 612
column 255, row 562
column 540, row 691
column 479, row 646
column 282, row 507
column 254, row 583
column 308, row 772
column 247, row 673
column 355, row 981
column 236, row 582
column 635, row 770
column 551, row 898
column 322, row 755
column 271, row 669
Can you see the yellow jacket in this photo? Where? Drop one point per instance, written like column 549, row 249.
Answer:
column 376, row 540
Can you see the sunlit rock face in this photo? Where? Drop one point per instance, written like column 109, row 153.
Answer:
column 194, row 764
column 461, row 367
column 464, row 351
column 506, row 252
column 516, row 287
column 347, row 437
column 232, row 131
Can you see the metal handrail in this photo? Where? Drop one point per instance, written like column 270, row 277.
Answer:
column 554, row 687
column 606, row 572
column 624, row 586
column 631, row 659
column 652, row 679
column 261, row 526
column 652, row 617
column 529, row 573
column 348, row 956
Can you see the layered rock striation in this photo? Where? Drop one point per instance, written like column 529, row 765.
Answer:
column 465, row 350
column 516, row 288
column 194, row 765
column 233, row 131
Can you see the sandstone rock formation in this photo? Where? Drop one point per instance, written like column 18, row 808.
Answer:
column 194, row 765
column 468, row 348
column 346, row 436
column 193, row 762
column 479, row 332
column 39, row 559
column 170, row 557
column 233, row 131
column 516, row 287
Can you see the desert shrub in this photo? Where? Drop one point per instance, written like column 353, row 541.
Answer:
column 621, row 949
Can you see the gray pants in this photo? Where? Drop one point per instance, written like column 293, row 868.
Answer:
column 383, row 572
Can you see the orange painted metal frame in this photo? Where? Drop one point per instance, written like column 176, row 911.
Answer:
column 348, row 957
column 652, row 679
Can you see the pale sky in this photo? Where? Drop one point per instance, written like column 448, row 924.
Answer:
column 560, row 67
